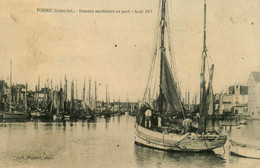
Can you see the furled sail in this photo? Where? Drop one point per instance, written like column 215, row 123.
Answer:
column 211, row 101
column 210, row 97
column 205, row 104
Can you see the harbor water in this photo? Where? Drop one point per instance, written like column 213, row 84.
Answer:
column 107, row 142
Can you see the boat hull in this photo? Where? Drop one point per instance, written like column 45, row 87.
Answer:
column 89, row 116
column 174, row 142
column 244, row 150
column 15, row 116
column 57, row 117
column 35, row 114
column 255, row 117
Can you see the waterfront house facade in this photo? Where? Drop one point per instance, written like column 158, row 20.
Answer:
column 254, row 95
column 234, row 101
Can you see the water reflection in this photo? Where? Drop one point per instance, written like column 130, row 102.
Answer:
column 107, row 119
column 118, row 119
column 107, row 142
column 156, row 158
column 14, row 120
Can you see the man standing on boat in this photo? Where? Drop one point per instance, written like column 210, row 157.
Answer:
column 187, row 124
column 148, row 117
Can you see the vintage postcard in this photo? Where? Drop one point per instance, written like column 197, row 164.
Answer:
column 133, row 83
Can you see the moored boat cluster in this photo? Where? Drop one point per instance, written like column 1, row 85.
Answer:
column 48, row 102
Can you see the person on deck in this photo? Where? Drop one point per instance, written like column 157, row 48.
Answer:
column 187, row 124
column 197, row 119
column 159, row 121
column 148, row 117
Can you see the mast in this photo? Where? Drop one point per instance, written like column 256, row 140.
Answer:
column 89, row 92
column 220, row 106
column 47, row 92
column 203, row 94
column 64, row 101
column 95, row 95
column 39, row 79
column 131, row 109
column 189, row 94
column 18, row 96
column 114, row 105
column 65, row 87
column 51, row 97
column 25, row 97
column 60, row 84
column 204, row 55
column 38, row 94
column 186, row 97
column 162, row 50
column 83, row 96
column 61, row 99
column 106, row 97
column 44, row 96
column 195, row 99
column 48, row 84
column 57, row 98
column 119, row 104
column 10, row 105
column 76, row 89
column 72, row 96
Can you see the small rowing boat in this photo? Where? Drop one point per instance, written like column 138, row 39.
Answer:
column 244, row 150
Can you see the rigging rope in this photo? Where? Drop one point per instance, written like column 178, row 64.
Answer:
column 155, row 51
column 172, row 56
column 155, row 83
column 151, row 73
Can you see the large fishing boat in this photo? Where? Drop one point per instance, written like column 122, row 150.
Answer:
column 168, row 102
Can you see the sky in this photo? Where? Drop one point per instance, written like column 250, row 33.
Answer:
column 116, row 49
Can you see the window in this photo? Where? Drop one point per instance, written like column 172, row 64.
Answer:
column 236, row 111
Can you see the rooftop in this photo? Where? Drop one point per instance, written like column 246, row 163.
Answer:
column 256, row 76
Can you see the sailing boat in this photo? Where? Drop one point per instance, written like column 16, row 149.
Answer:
column 168, row 103
column 107, row 112
column 14, row 114
column 89, row 112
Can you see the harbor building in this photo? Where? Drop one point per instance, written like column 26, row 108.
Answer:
column 254, row 95
column 4, row 89
column 234, row 101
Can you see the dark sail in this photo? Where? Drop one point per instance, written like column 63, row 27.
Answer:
column 169, row 89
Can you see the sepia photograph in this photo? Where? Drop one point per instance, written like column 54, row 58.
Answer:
column 130, row 84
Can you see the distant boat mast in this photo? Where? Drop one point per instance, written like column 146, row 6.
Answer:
column 25, row 96
column 83, row 96
column 10, row 105
column 95, row 96
column 107, row 97
column 89, row 93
